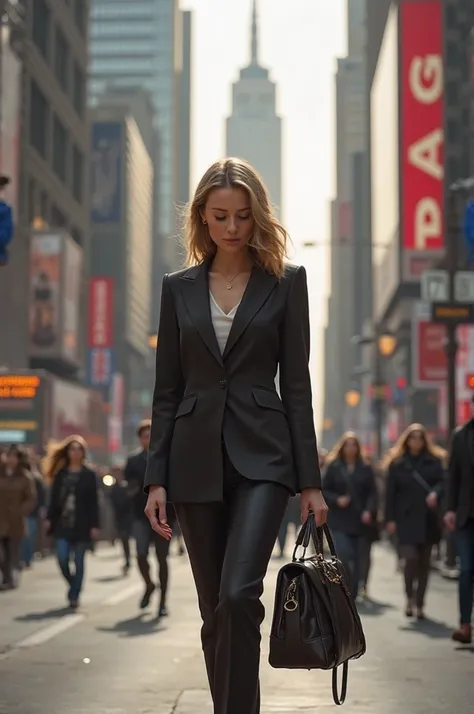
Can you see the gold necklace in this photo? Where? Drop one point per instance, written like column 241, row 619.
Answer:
column 229, row 281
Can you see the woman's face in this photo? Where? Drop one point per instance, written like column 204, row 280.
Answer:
column 229, row 218
column 75, row 452
column 350, row 449
column 416, row 442
column 12, row 459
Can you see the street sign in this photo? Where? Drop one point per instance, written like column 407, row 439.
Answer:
column 464, row 286
column 452, row 313
column 435, row 286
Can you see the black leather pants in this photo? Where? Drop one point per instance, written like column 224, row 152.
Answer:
column 229, row 546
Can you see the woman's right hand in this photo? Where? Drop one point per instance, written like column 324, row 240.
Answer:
column 391, row 528
column 155, row 511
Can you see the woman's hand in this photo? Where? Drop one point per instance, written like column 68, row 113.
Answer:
column 312, row 499
column 366, row 518
column 391, row 528
column 155, row 511
column 432, row 500
column 95, row 534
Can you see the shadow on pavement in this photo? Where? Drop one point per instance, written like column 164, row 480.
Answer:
column 429, row 628
column 45, row 615
column 109, row 578
column 465, row 648
column 373, row 608
column 135, row 627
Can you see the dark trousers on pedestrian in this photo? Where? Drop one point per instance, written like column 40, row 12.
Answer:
column 365, row 560
column 28, row 544
column 416, row 571
column 465, row 543
column 9, row 559
column 229, row 545
column 348, row 551
column 146, row 537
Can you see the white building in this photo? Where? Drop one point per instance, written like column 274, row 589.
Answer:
column 254, row 127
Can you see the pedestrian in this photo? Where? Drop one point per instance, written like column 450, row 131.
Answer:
column 17, row 500
column 224, row 447
column 143, row 533
column 36, row 517
column 121, row 503
column 459, row 518
column 413, row 493
column 351, row 494
column 73, row 513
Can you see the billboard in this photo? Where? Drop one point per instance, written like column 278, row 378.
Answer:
column 421, row 131
column 45, row 296
column 100, row 331
column 78, row 410
column 106, row 151
column 56, row 265
column 429, row 362
column 22, row 406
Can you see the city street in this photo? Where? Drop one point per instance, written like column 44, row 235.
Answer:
column 112, row 659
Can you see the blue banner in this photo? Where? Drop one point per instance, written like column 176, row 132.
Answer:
column 106, row 160
column 100, row 366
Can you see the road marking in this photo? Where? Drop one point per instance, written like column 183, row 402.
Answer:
column 122, row 595
column 47, row 633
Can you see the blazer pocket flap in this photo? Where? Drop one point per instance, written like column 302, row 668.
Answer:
column 268, row 400
column 186, row 407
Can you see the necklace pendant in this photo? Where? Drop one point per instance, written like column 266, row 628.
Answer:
column 229, row 286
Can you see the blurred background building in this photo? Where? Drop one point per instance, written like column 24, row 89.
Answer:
column 254, row 127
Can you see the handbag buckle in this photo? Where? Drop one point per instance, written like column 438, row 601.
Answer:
column 291, row 603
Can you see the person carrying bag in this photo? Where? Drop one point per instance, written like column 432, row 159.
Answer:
column 315, row 621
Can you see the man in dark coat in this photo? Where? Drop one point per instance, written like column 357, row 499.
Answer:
column 460, row 518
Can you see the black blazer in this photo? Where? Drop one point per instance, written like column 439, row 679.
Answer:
column 461, row 469
column 202, row 398
column 360, row 486
column 406, row 499
column 87, row 506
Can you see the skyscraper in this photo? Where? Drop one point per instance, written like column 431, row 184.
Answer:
column 254, row 127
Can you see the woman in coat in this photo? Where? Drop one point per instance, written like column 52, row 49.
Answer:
column 17, row 500
column 351, row 493
column 414, row 489
column 225, row 448
column 73, row 514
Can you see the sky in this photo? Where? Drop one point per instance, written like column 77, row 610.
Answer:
column 299, row 42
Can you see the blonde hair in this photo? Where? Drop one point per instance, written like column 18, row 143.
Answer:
column 338, row 448
column 56, row 457
column 400, row 448
column 269, row 241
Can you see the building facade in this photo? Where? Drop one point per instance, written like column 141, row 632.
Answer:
column 122, row 239
column 51, row 148
column 254, row 127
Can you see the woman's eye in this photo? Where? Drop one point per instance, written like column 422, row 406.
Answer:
column 244, row 218
column 220, row 218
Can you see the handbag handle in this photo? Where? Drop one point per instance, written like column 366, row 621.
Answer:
column 310, row 531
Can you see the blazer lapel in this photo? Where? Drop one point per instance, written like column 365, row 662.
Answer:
column 258, row 289
column 195, row 289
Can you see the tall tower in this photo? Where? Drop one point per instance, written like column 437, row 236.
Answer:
column 254, row 127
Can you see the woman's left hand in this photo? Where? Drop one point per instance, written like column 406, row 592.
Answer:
column 95, row 533
column 312, row 499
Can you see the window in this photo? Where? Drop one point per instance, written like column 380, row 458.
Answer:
column 77, row 174
column 41, row 26
column 80, row 15
column 61, row 60
column 78, row 91
column 59, row 149
column 58, row 219
column 39, row 116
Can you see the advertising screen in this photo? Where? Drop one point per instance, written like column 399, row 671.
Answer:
column 22, row 400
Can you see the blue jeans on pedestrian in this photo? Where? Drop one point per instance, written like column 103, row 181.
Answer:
column 28, row 544
column 348, row 552
column 64, row 550
column 465, row 543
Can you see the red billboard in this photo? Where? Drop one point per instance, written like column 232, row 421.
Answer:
column 101, row 312
column 429, row 363
column 422, row 125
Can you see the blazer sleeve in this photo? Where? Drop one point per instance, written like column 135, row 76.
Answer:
column 168, row 391
column 372, row 502
column 295, row 383
column 390, row 495
column 93, row 501
column 331, row 493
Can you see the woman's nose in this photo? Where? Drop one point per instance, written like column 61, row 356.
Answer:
column 232, row 227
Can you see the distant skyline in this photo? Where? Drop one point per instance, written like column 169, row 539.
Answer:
column 300, row 40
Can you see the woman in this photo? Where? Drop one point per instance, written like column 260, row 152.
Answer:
column 17, row 500
column 73, row 515
column 36, row 517
column 414, row 488
column 224, row 448
column 351, row 493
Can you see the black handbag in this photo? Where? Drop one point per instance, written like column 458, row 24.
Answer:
column 315, row 621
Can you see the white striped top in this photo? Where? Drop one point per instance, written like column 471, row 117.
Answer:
column 222, row 322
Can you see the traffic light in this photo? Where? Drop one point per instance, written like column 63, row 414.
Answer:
column 470, row 381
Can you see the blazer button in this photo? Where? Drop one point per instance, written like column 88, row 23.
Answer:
column 223, row 383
